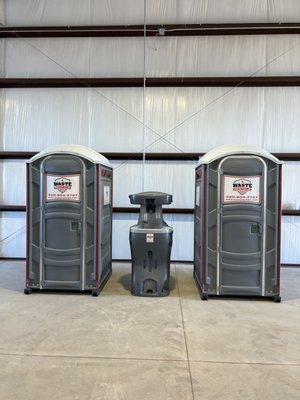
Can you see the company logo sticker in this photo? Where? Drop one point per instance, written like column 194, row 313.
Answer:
column 241, row 189
column 62, row 184
column 242, row 186
column 62, row 188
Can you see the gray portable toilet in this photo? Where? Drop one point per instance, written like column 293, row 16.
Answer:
column 237, row 223
column 69, row 219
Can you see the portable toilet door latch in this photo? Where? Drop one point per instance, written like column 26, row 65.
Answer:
column 256, row 229
column 76, row 225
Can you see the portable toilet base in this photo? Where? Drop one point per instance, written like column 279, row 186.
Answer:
column 69, row 220
column 237, row 223
column 94, row 292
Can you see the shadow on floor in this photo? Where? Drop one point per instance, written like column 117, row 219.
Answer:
column 125, row 281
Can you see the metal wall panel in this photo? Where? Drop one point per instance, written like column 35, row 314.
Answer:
column 111, row 119
column 264, row 55
column 2, row 16
column 12, row 234
column 85, row 12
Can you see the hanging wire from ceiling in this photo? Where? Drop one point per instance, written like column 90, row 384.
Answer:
column 144, row 99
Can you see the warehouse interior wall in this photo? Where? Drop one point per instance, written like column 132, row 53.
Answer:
column 108, row 12
column 2, row 21
column 132, row 119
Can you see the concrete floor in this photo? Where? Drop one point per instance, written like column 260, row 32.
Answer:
column 62, row 346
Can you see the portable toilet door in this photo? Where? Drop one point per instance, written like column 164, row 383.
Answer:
column 69, row 217
column 237, row 222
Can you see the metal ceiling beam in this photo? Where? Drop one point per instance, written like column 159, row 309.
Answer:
column 126, row 210
column 238, row 81
column 151, row 30
column 25, row 155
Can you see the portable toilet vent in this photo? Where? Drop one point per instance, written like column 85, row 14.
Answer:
column 69, row 219
column 237, row 223
column 150, row 244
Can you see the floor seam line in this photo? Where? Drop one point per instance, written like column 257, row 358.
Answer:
column 245, row 363
column 184, row 334
column 90, row 357
column 147, row 359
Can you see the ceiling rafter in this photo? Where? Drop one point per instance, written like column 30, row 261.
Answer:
column 151, row 30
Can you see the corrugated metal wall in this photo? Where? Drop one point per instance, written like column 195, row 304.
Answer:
column 110, row 120
column 109, row 12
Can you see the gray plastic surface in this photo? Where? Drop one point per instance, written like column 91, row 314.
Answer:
column 150, row 244
column 62, row 234
column 236, row 244
column 156, row 198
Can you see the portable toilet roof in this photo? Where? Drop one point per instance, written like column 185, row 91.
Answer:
column 76, row 150
column 227, row 150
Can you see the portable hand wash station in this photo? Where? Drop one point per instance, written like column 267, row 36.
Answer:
column 237, row 223
column 69, row 219
column 150, row 243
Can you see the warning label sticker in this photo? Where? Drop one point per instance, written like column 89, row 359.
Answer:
column 63, row 187
column 241, row 189
column 150, row 238
column 106, row 195
column 197, row 199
